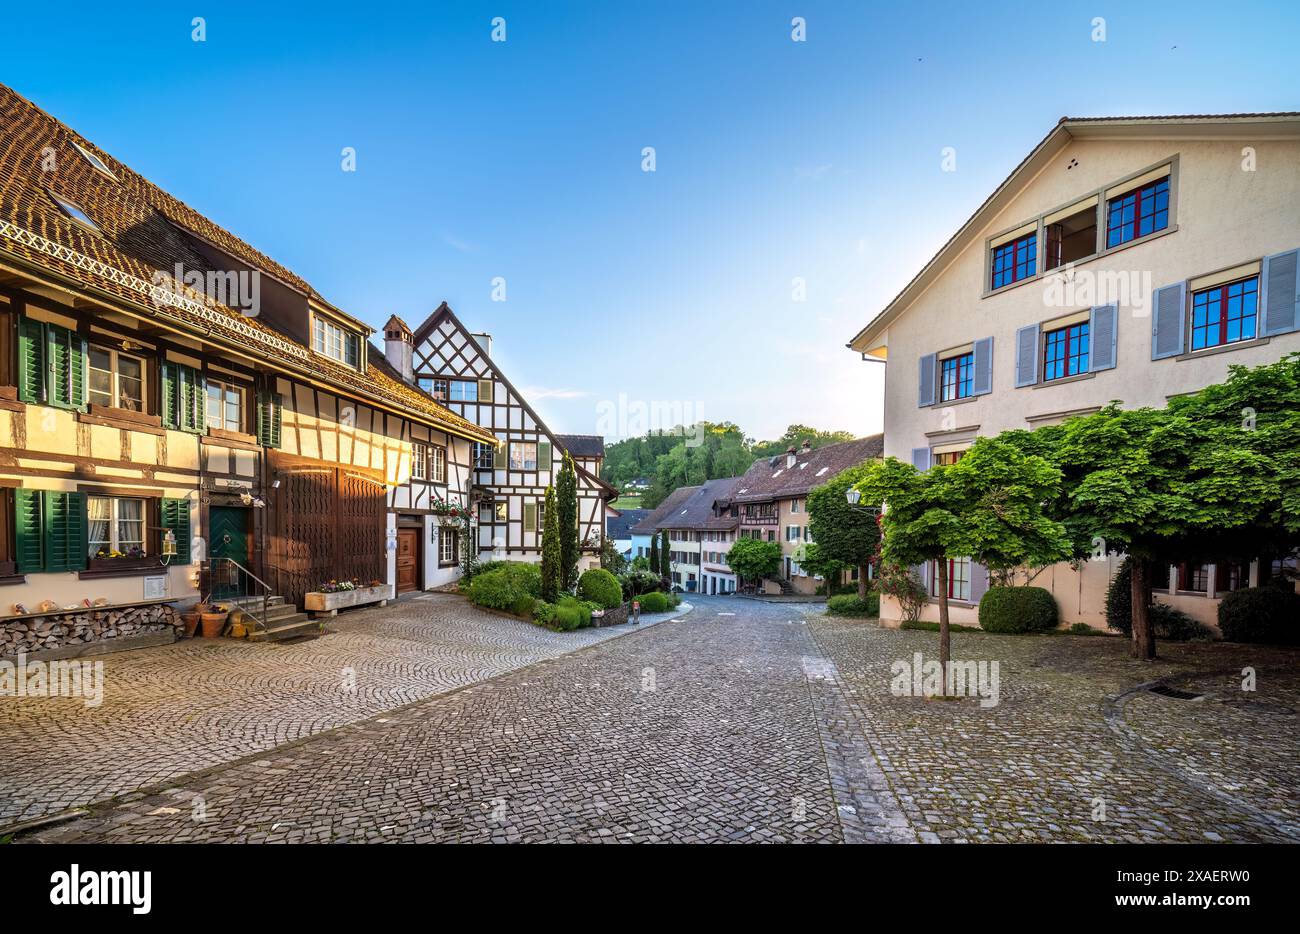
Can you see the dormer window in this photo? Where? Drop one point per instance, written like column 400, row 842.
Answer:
column 94, row 160
column 74, row 212
column 336, row 342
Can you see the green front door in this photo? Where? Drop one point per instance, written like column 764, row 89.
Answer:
column 228, row 527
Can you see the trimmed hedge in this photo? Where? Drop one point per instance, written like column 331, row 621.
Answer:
column 600, row 586
column 1268, row 614
column 507, row 586
column 1018, row 609
column 654, row 602
column 566, row 614
column 850, row 605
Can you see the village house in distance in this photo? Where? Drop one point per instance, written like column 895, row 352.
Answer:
column 1192, row 220
column 162, row 440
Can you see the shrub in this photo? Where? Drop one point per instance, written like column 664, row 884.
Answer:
column 1269, row 614
column 1175, row 625
column 654, row 602
column 674, row 600
column 904, row 586
column 850, row 605
column 565, row 614
column 639, row 581
column 1083, row 629
column 543, row 613
column 1017, row 609
column 506, row 586
column 1119, row 599
column 600, row 586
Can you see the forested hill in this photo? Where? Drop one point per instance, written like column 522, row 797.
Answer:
column 705, row 451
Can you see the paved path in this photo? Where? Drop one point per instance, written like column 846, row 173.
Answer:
column 199, row 703
column 753, row 722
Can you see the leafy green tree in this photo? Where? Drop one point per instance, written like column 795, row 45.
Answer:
column 551, row 571
column 610, row 557
column 849, row 534
column 566, row 497
column 795, row 436
column 989, row 507
column 814, row 559
column 753, row 559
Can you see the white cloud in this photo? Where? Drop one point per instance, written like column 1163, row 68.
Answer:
column 543, row 392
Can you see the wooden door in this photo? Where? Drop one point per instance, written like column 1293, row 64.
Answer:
column 408, row 560
column 228, row 531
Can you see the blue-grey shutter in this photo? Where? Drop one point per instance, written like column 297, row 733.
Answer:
column 982, row 377
column 1027, row 356
column 979, row 581
column 1279, row 310
column 1103, row 329
column 926, row 395
column 1168, row 318
column 921, row 458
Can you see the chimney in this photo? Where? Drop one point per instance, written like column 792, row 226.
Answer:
column 807, row 447
column 398, row 346
column 484, row 341
column 789, row 457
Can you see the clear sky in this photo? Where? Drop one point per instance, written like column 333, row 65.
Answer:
column 522, row 159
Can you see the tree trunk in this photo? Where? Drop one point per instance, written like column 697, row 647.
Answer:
column 945, row 637
column 1144, row 638
column 862, row 582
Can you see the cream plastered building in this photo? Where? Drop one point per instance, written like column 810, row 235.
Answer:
column 1128, row 259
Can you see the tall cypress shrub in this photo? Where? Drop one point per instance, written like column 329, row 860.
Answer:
column 566, row 495
column 665, row 557
column 654, row 552
column 550, row 549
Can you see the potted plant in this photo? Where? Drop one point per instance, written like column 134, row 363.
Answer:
column 190, row 620
column 214, row 620
column 107, row 558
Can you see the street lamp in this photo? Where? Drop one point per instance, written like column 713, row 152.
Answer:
column 854, row 496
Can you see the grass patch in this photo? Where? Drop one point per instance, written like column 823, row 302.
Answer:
column 628, row 501
column 923, row 626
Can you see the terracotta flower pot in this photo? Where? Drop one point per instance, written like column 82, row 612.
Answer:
column 191, row 623
column 213, row 623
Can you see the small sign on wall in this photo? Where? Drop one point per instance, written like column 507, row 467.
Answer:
column 391, row 543
column 155, row 587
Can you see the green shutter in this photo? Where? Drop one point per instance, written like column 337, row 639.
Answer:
column 530, row 517
column 176, row 516
column 31, row 360
column 181, row 397
column 269, row 413
column 65, row 531
column 543, row 455
column 65, row 362
column 28, row 534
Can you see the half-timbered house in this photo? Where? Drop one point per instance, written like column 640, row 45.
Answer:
column 170, row 397
column 454, row 366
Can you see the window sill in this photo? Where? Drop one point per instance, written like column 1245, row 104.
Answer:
column 953, row 601
column 125, row 419
column 1046, row 384
column 951, row 402
column 102, row 568
column 230, row 439
column 1223, row 348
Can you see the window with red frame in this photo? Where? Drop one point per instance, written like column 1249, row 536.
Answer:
column 1065, row 351
column 956, row 377
column 1225, row 314
column 1194, row 578
column 1137, row 213
column 958, row 579
column 946, row 458
column 1231, row 575
column 1015, row 260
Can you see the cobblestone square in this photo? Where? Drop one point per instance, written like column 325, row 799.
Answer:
column 738, row 721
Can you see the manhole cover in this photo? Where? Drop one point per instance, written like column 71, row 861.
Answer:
column 1165, row 690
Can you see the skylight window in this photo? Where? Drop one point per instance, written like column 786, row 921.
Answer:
column 803, row 465
column 94, row 160
column 775, row 475
column 76, row 213
column 822, row 471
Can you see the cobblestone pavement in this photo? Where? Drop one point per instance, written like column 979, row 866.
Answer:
column 1072, row 751
column 177, row 709
column 758, row 722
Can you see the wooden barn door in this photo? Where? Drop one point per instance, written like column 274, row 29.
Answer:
column 329, row 525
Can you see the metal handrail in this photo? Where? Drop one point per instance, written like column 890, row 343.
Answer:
column 242, row 577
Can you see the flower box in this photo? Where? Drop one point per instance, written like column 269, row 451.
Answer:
column 123, row 564
column 328, row 604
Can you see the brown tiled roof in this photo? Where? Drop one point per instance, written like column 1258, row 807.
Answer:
column 696, row 511
column 672, row 502
column 143, row 230
column 770, row 478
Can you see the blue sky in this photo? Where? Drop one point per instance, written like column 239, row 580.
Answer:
column 774, row 160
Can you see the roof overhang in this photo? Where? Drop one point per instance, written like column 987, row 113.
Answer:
column 872, row 341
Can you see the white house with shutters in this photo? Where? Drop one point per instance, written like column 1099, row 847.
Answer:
column 454, row 366
column 1130, row 259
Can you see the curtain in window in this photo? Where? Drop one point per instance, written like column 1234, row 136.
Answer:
column 99, row 511
column 130, row 525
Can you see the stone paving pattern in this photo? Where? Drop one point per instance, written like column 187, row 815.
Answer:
column 751, row 722
column 199, row 703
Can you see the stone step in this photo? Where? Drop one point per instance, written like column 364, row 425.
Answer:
column 254, row 602
column 290, row 627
